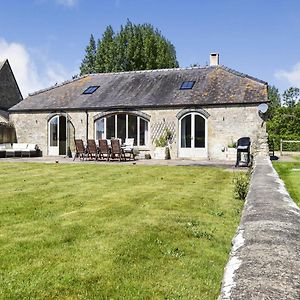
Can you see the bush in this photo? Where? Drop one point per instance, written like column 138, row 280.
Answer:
column 241, row 185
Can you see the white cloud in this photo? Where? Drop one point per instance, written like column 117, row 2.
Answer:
column 68, row 3
column 291, row 76
column 29, row 77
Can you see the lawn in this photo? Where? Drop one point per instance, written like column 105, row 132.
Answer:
column 83, row 231
column 289, row 172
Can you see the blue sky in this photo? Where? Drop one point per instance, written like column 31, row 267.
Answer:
column 45, row 39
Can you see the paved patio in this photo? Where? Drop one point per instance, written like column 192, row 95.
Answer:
column 149, row 162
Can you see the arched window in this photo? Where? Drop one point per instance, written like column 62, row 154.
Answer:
column 123, row 126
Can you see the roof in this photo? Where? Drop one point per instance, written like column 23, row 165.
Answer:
column 156, row 88
column 9, row 90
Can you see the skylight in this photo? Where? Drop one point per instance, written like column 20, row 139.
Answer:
column 187, row 85
column 91, row 89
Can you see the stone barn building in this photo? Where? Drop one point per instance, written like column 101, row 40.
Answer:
column 205, row 109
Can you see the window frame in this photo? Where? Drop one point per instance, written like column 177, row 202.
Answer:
column 93, row 89
column 138, row 124
column 187, row 85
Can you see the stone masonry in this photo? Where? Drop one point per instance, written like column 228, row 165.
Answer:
column 265, row 256
column 225, row 125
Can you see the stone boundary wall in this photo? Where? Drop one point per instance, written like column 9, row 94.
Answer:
column 264, row 261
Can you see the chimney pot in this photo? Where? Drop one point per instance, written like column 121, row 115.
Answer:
column 214, row 59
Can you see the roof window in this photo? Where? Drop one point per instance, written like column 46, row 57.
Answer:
column 187, row 85
column 91, row 89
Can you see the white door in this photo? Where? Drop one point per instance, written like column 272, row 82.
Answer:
column 57, row 140
column 193, row 136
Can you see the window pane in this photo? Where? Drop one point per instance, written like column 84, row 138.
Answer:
column 143, row 132
column 53, row 132
column 199, row 132
column 90, row 90
column 187, row 85
column 186, row 132
column 62, row 135
column 110, row 127
column 132, row 128
column 121, row 130
column 100, row 129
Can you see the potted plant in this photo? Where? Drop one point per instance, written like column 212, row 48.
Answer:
column 231, row 150
column 162, row 146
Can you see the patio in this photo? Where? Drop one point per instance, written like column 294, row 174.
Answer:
column 147, row 162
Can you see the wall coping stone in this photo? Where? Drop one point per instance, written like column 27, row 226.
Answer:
column 264, row 261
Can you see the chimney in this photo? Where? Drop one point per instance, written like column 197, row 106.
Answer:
column 214, row 59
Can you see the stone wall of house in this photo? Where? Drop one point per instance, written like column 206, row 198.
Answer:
column 225, row 126
column 33, row 127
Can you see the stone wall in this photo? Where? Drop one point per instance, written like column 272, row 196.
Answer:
column 225, row 125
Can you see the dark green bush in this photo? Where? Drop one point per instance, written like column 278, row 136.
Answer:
column 241, row 185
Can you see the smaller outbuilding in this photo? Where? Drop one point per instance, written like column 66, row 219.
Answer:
column 10, row 95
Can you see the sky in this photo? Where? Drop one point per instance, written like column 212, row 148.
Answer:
column 45, row 40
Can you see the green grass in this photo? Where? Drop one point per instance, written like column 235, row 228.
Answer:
column 87, row 231
column 289, row 172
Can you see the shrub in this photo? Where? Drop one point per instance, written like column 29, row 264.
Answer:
column 163, row 140
column 241, row 185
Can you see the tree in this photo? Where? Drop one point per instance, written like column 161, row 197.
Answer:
column 284, row 121
column 291, row 97
column 105, row 60
column 88, row 63
column 134, row 47
column 275, row 101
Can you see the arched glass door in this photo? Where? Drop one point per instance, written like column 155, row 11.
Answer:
column 57, row 131
column 193, row 136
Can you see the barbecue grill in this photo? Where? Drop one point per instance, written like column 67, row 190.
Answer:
column 243, row 146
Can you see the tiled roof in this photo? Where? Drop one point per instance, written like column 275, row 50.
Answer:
column 156, row 88
column 9, row 90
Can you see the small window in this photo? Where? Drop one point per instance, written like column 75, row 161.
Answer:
column 187, row 85
column 90, row 90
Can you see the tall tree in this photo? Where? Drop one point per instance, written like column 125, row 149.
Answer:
column 105, row 56
column 275, row 100
column 88, row 63
column 134, row 47
column 291, row 97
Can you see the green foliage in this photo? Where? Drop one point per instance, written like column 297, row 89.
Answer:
column 241, row 185
column 134, row 47
column 163, row 140
column 283, row 121
column 105, row 54
column 275, row 101
column 61, row 242
column 291, row 97
column 232, row 144
column 285, row 124
column 88, row 63
column 290, row 174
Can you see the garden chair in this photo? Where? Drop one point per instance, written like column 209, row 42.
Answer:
column 80, row 150
column 92, row 150
column 116, row 150
column 128, row 147
column 104, row 149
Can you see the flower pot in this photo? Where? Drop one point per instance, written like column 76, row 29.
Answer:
column 160, row 153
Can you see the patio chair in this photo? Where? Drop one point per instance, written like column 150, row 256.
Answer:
column 104, row 149
column 128, row 147
column 116, row 150
column 92, row 150
column 80, row 150
column 243, row 145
